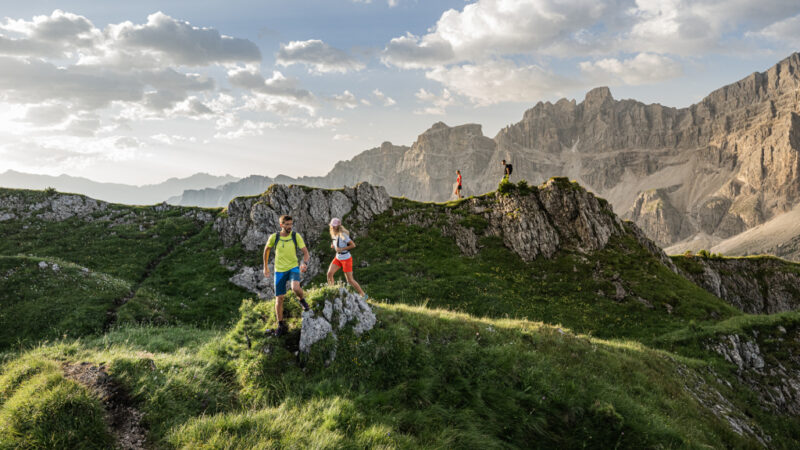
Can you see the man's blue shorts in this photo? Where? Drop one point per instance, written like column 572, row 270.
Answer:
column 282, row 277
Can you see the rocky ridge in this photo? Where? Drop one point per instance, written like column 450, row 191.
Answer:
column 754, row 285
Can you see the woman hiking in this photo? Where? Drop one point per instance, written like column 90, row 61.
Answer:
column 343, row 259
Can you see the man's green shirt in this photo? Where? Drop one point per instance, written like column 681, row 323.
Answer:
column 285, row 253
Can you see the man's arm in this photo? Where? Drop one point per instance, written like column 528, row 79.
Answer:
column 306, row 258
column 266, row 260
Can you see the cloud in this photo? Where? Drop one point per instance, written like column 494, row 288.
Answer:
column 172, row 41
column 499, row 81
column 413, row 52
column 64, row 153
column 438, row 103
column 277, row 94
column 785, row 32
column 687, row 28
column 46, row 114
column 488, row 29
column 383, row 98
column 128, row 142
column 644, row 68
column 172, row 139
column 344, row 100
column 246, row 128
column 53, row 35
column 318, row 56
column 343, row 137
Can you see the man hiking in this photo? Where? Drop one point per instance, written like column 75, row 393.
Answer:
column 286, row 243
column 458, row 184
column 507, row 169
column 342, row 243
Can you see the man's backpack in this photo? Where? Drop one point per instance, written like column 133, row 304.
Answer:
column 278, row 235
column 510, row 168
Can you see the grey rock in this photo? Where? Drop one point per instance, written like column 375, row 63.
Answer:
column 42, row 265
column 775, row 379
column 252, row 279
column 754, row 285
column 345, row 310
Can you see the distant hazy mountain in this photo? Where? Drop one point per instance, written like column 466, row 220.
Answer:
column 113, row 192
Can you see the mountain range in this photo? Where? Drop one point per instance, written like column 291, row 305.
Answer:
column 113, row 192
column 692, row 178
column 721, row 174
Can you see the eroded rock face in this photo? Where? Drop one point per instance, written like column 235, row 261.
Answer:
column 346, row 310
column 53, row 207
column 754, row 285
column 251, row 220
column 654, row 213
column 774, row 378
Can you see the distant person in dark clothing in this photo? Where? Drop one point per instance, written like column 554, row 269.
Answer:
column 458, row 185
column 507, row 169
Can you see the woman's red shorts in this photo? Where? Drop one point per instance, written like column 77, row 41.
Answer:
column 346, row 265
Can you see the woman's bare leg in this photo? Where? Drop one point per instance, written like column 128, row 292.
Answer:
column 353, row 282
column 331, row 271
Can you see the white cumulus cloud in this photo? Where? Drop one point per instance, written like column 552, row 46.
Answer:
column 644, row 68
column 318, row 56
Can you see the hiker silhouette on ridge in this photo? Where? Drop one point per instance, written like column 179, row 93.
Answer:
column 458, row 185
column 507, row 169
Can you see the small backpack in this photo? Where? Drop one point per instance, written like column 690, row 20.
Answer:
column 510, row 168
column 278, row 235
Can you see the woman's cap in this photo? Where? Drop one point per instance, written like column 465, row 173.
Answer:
column 335, row 222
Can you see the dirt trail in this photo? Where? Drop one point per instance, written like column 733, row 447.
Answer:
column 111, row 314
column 123, row 419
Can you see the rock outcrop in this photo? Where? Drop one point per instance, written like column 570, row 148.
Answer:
column 768, row 363
column 345, row 311
column 51, row 207
column 759, row 285
column 251, row 220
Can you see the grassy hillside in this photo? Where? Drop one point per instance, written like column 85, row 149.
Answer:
column 411, row 264
column 45, row 298
column 487, row 351
column 422, row 378
column 165, row 263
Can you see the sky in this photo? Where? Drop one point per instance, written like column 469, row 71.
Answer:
column 138, row 92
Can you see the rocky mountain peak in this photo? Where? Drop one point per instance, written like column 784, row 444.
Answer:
column 597, row 96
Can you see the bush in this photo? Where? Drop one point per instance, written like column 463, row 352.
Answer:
column 506, row 187
column 523, row 188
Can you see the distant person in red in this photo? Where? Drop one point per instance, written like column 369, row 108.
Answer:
column 458, row 185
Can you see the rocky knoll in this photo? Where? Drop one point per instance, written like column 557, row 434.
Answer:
column 251, row 220
column 760, row 285
column 346, row 311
